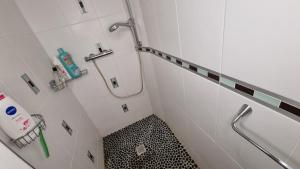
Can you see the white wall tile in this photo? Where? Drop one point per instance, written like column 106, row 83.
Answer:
column 151, row 84
column 208, row 150
column 254, row 158
column 200, row 27
column 89, row 34
column 42, row 15
column 108, row 7
column 97, row 112
column 12, row 69
column 168, row 27
column 170, row 82
column 262, row 40
column 31, row 52
column 151, row 26
column 59, row 38
column 201, row 96
column 100, row 154
column 117, row 118
column 171, row 90
column 15, row 24
column 130, row 73
column 140, row 105
column 87, row 141
column 294, row 158
column 73, row 12
column 201, row 36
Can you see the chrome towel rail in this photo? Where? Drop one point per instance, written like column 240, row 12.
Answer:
column 245, row 110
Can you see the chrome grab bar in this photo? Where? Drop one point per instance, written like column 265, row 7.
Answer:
column 96, row 56
column 245, row 110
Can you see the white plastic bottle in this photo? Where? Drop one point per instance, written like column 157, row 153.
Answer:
column 62, row 70
column 14, row 119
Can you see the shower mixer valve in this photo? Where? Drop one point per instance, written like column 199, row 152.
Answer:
column 102, row 52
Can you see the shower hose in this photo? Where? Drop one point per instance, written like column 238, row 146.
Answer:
column 109, row 89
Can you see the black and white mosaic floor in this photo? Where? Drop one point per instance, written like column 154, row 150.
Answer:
column 163, row 150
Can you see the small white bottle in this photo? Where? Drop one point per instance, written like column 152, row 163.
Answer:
column 64, row 73
column 14, row 119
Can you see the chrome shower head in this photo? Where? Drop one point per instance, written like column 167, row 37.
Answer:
column 115, row 26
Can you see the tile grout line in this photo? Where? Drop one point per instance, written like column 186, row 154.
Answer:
column 269, row 99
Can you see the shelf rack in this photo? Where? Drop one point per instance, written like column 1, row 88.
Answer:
column 34, row 133
column 59, row 86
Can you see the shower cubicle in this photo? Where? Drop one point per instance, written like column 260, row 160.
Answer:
column 188, row 84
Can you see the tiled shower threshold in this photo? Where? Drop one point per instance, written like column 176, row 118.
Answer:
column 160, row 149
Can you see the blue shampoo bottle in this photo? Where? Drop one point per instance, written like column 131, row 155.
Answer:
column 66, row 60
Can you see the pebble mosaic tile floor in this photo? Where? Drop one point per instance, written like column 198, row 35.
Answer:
column 163, row 150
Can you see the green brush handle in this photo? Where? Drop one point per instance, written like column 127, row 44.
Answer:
column 44, row 144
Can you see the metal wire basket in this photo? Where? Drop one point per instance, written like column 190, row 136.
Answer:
column 34, row 133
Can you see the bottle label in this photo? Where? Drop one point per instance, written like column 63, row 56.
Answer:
column 11, row 110
column 26, row 124
column 2, row 97
column 68, row 60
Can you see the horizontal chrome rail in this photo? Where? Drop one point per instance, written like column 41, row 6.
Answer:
column 96, row 56
column 245, row 110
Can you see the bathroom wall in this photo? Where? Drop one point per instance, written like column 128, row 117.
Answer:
column 21, row 52
column 60, row 23
column 254, row 42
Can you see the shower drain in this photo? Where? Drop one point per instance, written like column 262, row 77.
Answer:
column 141, row 149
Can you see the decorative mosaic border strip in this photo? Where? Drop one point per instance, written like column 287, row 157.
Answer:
column 279, row 103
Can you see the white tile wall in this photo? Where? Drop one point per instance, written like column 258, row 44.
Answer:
column 201, row 101
column 21, row 53
column 168, row 27
column 147, row 59
column 198, row 110
column 200, row 28
column 263, row 44
column 209, row 151
column 149, row 16
column 293, row 161
column 78, row 34
column 171, row 91
column 73, row 13
column 100, row 150
column 85, row 143
column 151, row 85
column 105, row 8
column 12, row 79
column 42, row 15
column 35, row 59
column 16, row 24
